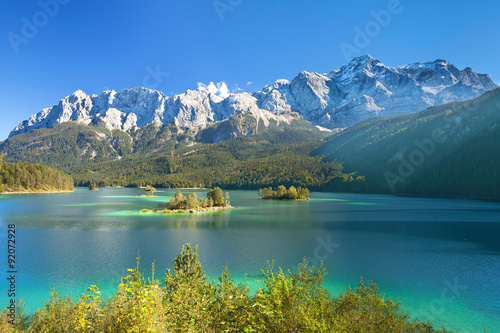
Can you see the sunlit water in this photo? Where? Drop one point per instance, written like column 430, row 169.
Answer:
column 441, row 257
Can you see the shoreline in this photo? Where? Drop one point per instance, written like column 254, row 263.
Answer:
column 283, row 199
column 36, row 192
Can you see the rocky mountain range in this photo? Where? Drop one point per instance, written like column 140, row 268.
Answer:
column 362, row 89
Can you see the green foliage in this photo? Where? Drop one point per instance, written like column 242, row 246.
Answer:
column 61, row 146
column 59, row 315
column 192, row 201
column 136, row 307
column 178, row 201
column 217, row 196
column 363, row 309
column 214, row 198
column 293, row 302
column 27, row 177
column 187, row 267
column 282, row 193
column 188, row 302
column 150, row 190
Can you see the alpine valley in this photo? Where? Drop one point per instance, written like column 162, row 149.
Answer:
column 413, row 129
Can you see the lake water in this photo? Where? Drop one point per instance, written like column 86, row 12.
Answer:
column 441, row 257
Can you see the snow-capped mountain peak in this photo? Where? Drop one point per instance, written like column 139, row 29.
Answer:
column 361, row 89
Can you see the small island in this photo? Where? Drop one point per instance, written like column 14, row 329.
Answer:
column 150, row 192
column 179, row 203
column 282, row 193
column 93, row 187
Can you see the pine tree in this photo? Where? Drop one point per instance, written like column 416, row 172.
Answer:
column 187, row 266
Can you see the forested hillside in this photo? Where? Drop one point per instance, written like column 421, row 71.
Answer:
column 28, row 177
column 450, row 150
column 72, row 143
column 266, row 156
column 245, row 162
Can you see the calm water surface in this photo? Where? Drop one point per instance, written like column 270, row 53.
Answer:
column 441, row 257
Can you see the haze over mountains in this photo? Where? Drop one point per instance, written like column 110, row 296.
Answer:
column 363, row 89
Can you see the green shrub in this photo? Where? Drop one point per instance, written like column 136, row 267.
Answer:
column 186, row 301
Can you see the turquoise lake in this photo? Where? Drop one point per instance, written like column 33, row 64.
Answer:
column 440, row 257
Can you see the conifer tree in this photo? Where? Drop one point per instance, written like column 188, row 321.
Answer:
column 187, row 267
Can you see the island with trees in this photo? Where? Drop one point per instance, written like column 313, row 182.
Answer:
column 180, row 203
column 282, row 193
column 22, row 177
column 150, row 190
column 93, row 187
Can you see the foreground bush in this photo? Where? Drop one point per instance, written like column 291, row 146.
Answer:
column 186, row 301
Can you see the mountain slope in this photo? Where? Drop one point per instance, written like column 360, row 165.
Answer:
column 363, row 89
column 450, row 150
column 168, row 157
column 253, row 161
column 72, row 143
column 366, row 88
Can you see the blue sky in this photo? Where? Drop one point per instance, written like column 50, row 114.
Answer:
column 98, row 45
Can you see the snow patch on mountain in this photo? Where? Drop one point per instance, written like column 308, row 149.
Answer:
column 362, row 89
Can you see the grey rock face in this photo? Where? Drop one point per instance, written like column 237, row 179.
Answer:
column 362, row 89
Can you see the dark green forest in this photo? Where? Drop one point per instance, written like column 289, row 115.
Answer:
column 449, row 150
column 29, row 177
column 225, row 165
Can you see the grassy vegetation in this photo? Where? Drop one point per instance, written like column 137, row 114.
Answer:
column 186, row 301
